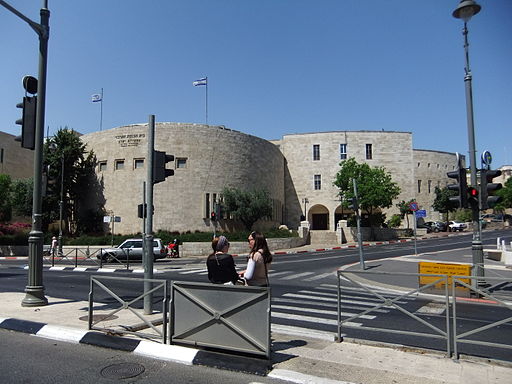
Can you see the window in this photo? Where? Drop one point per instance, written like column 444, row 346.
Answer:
column 181, row 163
column 343, row 151
column 429, row 186
column 316, row 152
column 1, row 155
column 368, row 151
column 419, row 186
column 119, row 165
column 102, row 166
column 138, row 163
column 207, row 205
column 318, row 182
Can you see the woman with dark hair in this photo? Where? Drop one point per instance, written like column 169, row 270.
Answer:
column 259, row 260
column 220, row 264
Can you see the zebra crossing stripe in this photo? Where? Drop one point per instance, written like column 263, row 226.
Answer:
column 322, row 311
column 297, row 275
column 278, row 273
column 334, row 300
column 311, row 319
column 193, row 271
column 318, row 277
column 370, row 299
column 299, row 331
column 318, row 304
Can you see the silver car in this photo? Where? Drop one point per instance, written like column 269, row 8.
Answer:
column 131, row 249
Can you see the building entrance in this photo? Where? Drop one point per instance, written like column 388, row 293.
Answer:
column 320, row 221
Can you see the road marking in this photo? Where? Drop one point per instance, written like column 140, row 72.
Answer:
column 297, row 275
column 318, row 304
column 301, row 378
column 321, row 311
column 311, row 319
column 193, row 271
column 322, row 276
column 305, row 332
column 432, row 308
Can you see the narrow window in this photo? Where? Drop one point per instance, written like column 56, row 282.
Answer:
column 368, row 151
column 138, row 163
column 430, row 186
column 181, row 163
column 318, row 182
column 119, row 165
column 1, row 155
column 343, row 151
column 207, row 205
column 419, row 186
column 102, row 166
column 316, row 152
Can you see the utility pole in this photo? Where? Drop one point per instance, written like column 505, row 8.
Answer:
column 148, row 238
column 358, row 220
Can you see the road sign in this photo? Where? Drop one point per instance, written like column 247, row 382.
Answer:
column 486, row 158
column 106, row 219
column 117, row 219
column 429, row 270
column 421, row 213
column 414, row 206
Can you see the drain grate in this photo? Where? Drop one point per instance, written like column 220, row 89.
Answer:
column 122, row 370
column 98, row 318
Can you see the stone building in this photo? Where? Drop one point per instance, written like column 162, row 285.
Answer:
column 297, row 170
column 15, row 161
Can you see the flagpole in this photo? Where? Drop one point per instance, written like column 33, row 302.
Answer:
column 101, row 110
column 206, row 100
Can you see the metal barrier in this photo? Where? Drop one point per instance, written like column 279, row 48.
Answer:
column 128, row 305
column 489, row 292
column 77, row 256
column 228, row 317
column 383, row 301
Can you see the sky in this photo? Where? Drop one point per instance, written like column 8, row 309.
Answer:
column 274, row 67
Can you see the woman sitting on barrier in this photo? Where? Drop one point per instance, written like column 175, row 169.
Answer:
column 220, row 264
column 258, row 262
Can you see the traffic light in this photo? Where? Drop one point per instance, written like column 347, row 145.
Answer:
column 353, row 204
column 160, row 173
column 461, row 200
column 487, row 188
column 27, row 122
column 213, row 216
column 142, row 210
column 472, row 198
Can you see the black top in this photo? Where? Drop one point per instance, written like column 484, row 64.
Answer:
column 221, row 268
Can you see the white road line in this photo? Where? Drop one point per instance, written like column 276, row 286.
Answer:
column 334, row 300
column 278, row 273
column 317, row 304
column 306, row 332
column 322, row 276
column 297, row 275
column 321, row 311
column 301, row 378
column 311, row 319
column 192, row 271
column 370, row 299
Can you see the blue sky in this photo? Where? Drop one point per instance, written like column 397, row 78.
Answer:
column 274, row 67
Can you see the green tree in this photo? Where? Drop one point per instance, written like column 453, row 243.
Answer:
column 5, row 200
column 442, row 201
column 70, row 166
column 247, row 206
column 506, row 195
column 375, row 187
column 21, row 196
column 405, row 210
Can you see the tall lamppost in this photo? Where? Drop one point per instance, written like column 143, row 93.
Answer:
column 61, row 202
column 465, row 11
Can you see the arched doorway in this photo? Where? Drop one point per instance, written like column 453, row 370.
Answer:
column 341, row 214
column 319, row 217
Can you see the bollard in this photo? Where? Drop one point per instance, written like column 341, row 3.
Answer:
column 503, row 246
column 498, row 243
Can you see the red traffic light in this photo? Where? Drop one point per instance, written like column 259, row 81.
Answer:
column 472, row 192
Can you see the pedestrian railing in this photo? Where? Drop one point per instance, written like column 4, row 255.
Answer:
column 384, row 301
column 493, row 290
column 116, row 305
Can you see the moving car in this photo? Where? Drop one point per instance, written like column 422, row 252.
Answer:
column 131, row 249
column 456, row 226
column 436, row 226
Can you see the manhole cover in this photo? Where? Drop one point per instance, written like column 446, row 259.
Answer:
column 98, row 318
column 122, row 370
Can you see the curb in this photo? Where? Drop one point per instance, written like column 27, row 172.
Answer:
column 174, row 353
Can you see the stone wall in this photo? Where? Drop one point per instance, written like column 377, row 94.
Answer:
column 15, row 161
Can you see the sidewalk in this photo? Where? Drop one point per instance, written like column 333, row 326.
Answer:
column 298, row 359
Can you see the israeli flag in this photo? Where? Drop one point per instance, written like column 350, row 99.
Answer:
column 202, row 81
column 96, row 97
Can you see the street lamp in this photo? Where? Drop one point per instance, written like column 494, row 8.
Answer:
column 305, row 201
column 465, row 11
column 61, row 201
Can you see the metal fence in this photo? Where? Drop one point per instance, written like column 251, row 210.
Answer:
column 456, row 327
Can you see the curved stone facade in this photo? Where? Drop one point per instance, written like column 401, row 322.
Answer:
column 207, row 159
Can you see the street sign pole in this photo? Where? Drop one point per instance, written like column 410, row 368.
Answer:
column 148, row 239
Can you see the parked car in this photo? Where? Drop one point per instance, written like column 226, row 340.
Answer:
column 423, row 225
column 456, row 226
column 436, row 226
column 131, row 249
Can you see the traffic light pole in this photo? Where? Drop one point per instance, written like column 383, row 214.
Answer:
column 476, row 245
column 35, row 290
column 148, row 238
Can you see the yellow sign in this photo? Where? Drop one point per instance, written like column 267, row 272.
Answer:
column 442, row 269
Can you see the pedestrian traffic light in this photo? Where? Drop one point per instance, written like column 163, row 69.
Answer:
column 160, row 173
column 213, row 216
column 142, row 210
column 473, row 198
column 461, row 200
column 487, row 188
column 27, row 122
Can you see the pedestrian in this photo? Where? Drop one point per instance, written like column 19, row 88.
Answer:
column 258, row 261
column 53, row 247
column 220, row 264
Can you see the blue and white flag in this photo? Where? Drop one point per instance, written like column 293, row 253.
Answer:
column 203, row 81
column 96, row 97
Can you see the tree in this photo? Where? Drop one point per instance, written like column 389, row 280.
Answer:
column 247, row 206
column 69, row 165
column 442, row 201
column 5, row 201
column 375, row 187
column 405, row 210
column 21, row 196
column 506, row 195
